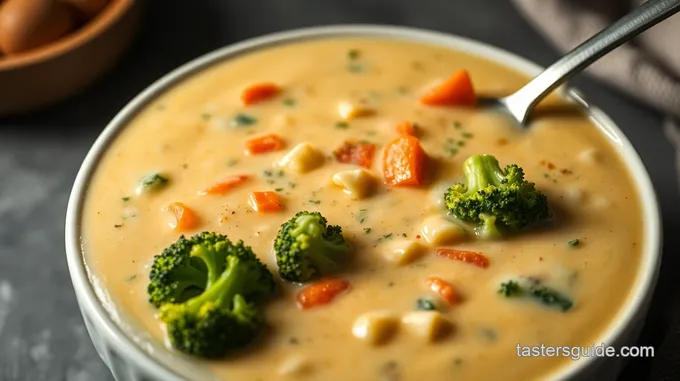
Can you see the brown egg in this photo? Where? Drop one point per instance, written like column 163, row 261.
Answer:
column 26, row 24
column 87, row 9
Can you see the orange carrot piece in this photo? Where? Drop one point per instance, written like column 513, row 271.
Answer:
column 360, row 154
column 443, row 289
column 259, row 92
column 224, row 185
column 477, row 259
column 183, row 217
column 457, row 90
column 264, row 144
column 321, row 293
column 407, row 128
column 265, row 202
column 404, row 162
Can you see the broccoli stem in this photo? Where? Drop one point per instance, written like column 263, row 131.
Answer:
column 223, row 289
column 482, row 171
column 212, row 262
column 488, row 229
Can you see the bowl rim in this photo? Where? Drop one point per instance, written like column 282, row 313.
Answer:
column 632, row 311
column 113, row 11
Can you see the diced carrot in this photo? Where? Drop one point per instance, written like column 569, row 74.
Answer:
column 225, row 185
column 259, row 92
column 265, row 202
column 404, row 162
column 360, row 154
column 443, row 289
column 183, row 217
column 457, row 90
column 321, row 293
column 477, row 259
column 264, row 144
column 407, row 128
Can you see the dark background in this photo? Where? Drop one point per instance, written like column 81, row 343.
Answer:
column 43, row 337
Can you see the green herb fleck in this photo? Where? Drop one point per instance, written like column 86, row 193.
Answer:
column 232, row 162
column 386, row 236
column 125, row 199
column 293, row 341
column 131, row 278
column 551, row 298
column 467, row 135
column 353, row 54
column 280, row 173
column 451, row 151
column 267, row 173
column 403, row 235
column 118, row 226
column 206, row 116
column 574, row 242
column 290, row 102
column 461, row 144
column 510, row 288
column 342, row 125
column 316, row 202
column 279, row 189
column 291, row 184
column 457, row 125
column 355, row 68
column 243, row 120
column 425, row 304
column 488, row 334
column 458, row 361
column 367, row 230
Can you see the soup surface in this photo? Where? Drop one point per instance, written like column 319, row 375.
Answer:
column 336, row 97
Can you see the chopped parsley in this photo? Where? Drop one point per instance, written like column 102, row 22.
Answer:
column 243, row 120
column 118, row 226
column 232, row 162
column 126, row 198
column 342, row 125
column 467, row 135
column 367, row 230
column 316, row 202
column 355, row 68
column 279, row 189
column 425, row 304
column 457, row 125
column 386, row 236
column 574, row 242
column 353, row 54
column 510, row 288
column 290, row 102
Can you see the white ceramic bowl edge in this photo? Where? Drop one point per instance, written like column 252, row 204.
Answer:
column 129, row 362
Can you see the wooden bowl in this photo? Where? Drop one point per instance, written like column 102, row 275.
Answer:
column 49, row 74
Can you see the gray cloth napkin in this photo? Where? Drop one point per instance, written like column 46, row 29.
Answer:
column 648, row 69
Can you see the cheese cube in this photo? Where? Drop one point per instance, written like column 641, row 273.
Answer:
column 376, row 327
column 439, row 230
column 428, row 325
column 349, row 111
column 302, row 158
column 358, row 183
column 402, row 251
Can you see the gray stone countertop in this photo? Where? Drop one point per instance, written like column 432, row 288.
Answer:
column 42, row 336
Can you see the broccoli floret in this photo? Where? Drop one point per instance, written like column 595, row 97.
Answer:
column 306, row 247
column 152, row 183
column 495, row 198
column 208, row 290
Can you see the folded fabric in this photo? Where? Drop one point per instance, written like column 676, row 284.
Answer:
column 648, row 69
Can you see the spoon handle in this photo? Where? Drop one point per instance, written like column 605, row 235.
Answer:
column 640, row 19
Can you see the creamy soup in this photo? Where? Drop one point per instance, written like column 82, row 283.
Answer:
column 310, row 123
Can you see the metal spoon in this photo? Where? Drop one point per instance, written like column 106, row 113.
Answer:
column 520, row 104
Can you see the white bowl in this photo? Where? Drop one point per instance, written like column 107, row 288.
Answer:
column 131, row 359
